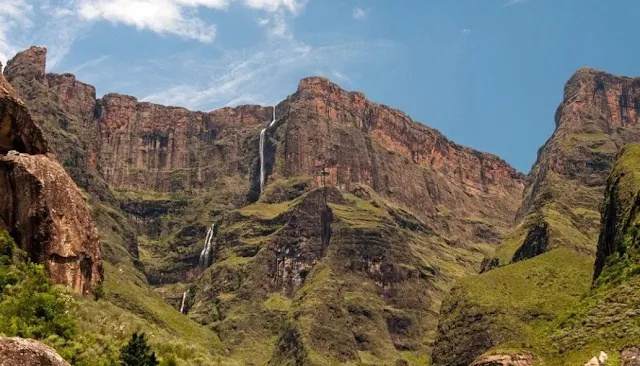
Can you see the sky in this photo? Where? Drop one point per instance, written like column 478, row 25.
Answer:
column 487, row 73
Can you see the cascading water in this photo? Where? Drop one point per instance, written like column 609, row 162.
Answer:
column 205, row 255
column 184, row 297
column 262, row 133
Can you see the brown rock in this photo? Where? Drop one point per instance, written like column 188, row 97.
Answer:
column 169, row 149
column 28, row 352
column 30, row 63
column 47, row 215
column 17, row 130
column 630, row 356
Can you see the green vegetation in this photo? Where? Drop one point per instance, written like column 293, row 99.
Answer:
column 137, row 352
column 30, row 305
column 520, row 305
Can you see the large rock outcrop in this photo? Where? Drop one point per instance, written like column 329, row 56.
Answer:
column 39, row 203
column 551, row 250
column 47, row 214
column 28, row 352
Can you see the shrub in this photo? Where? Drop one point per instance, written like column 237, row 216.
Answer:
column 137, row 352
column 31, row 305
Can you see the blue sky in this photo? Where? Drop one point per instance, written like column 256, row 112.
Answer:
column 487, row 73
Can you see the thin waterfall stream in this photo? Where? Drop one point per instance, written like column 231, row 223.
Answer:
column 184, row 297
column 205, row 255
column 262, row 133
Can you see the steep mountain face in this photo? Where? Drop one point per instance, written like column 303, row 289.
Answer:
column 40, row 204
column 551, row 249
column 366, row 220
column 607, row 318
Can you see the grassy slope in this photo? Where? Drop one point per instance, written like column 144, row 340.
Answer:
column 253, row 321
column 130, row 304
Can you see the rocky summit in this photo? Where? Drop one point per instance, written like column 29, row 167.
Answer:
column 327, row 229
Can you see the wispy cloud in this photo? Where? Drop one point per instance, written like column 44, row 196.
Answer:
column 341, row 77
column 260, row 76
column 60, row 21
column 15, row 15
column 89, row 64
column 359, row 13
column 466, row 31
column 514, row 2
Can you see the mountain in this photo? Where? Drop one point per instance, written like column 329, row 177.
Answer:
column 365, row 220
column 327, row 229
column 538, row 274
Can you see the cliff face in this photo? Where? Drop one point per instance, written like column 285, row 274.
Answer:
column 617, row 254
column 358, row 141
column 40, row 204
column 558, row 221
column 166, row 149
column 563, row 191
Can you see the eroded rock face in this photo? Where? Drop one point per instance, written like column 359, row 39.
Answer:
column 28, row 352
column 358, row 141
column 598, row 116
column 17, row 130
column 47, row 215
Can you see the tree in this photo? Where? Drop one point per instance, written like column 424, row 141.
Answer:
column 137, row 352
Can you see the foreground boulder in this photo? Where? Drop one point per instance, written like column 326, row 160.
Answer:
column 28, row 352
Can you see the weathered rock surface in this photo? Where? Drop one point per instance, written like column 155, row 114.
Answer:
column 358, row 141
column 28, row 352
column 48, row 216
column 17, row 130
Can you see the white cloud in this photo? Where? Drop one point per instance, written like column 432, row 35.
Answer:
column 359, row 13
column 59, row 21
column 276, row 25
column 292, row 6
column 160, row 16
column 14, row 15
column 466, row 31
column 341, row 77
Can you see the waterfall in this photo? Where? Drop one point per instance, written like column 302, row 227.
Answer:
column 205, row 255
column 262, row 133
column 184, row 297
